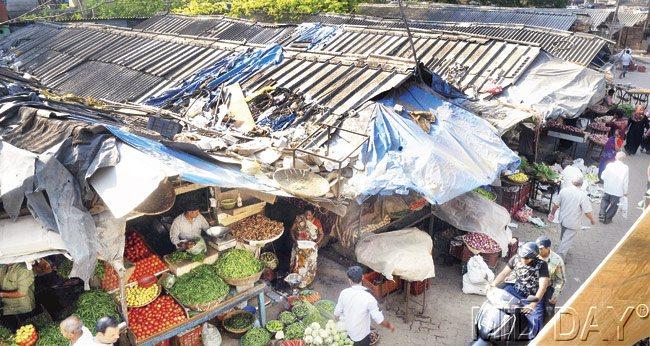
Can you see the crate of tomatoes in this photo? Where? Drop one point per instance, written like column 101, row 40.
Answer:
column 144, row 261
column 160, row 315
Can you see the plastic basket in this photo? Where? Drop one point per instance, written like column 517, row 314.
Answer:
column 383, row 289
column 191, row 337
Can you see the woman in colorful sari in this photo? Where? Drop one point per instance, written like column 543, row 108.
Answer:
column 609, row 151
column 309, row 231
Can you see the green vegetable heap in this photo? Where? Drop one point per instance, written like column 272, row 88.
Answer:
column 326, row 307
column 200, row 285
column 300, row 309
column 93, row 305
column 274, row 326
column 256, row 337
column 242, row 320
column 180, row 256
column 544, row 172
column 295, row 331
column 6, row 336
column 485, row 194
column 51, row 336
column 237, row 264
column 287, row 317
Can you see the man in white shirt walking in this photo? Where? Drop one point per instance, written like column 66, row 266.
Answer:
column 573, row 203
column 626, row 60
column 356, row 306
column 615, row 182
column 569, row 172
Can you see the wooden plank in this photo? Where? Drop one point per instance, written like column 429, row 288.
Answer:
column 618, row 290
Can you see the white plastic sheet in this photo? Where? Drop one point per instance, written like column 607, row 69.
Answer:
column 405, row 253
column 26, row 239
column 472, row 213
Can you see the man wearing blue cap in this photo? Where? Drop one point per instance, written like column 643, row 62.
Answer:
column 555, row 272
column 356, row 306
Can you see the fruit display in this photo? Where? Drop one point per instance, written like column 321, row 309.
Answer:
column 287, row 317
column 238, row 263
column 147, row 266
column 135, row 248
column 257, row 227
column 93, row 305
column 201, row 285
column 26, row 335
column 544, row 172
column 316, row 334
column 256, row 337
column 163, row 313
column 140, row 296
column 518, row 178
column 489, row 195
column 274, row 326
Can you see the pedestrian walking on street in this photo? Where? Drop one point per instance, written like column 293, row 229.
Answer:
column 615, row 184
column 573, row 203
column 636, row 128
column 356, row 306
column 626, row 61
column 608, row 154
column 556, row 272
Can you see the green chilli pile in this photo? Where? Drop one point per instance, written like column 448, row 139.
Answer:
column 256, row 337
column 93, row 305
column 237, row 264
column 180, row 256
column 201, row 285
column 51, row 336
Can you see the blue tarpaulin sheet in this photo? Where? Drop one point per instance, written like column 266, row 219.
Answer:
column 230, row 70
column 193, row 169
column 315, row 33
column 461, row 151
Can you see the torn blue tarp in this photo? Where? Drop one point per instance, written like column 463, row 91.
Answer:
column 460, row 152
column 445, row 89
column 195, row 170
column 229, row 70
column 316, row 34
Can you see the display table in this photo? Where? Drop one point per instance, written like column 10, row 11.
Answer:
column 256, row 291
column 553, row 188
column 576, row 139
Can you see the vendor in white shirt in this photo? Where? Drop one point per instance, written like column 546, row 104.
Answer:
column 186, row 229
column 356, row 306
column 75, row 332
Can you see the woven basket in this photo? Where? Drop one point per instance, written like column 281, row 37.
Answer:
column 247, row 281
column 205, row 306
column 301, row 183
column 237, row 331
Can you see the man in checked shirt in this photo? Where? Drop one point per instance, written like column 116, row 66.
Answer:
column 555, row 272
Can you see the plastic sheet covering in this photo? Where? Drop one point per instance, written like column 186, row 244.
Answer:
column 460, row 152
column 473, row 213
column 230, row 70
column 16, row 177
column 405, row 253
column 315, row 33
column 555, row 88
column 196, row 170
column 25, row 239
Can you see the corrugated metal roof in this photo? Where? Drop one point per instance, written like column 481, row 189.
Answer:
column 575, row 47
column 443, row 54
column 219, row 27
column 627, row 16
column 119, row 64
column 546, row 18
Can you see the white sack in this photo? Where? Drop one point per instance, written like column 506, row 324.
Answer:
column 477, row 277
column 405, row 253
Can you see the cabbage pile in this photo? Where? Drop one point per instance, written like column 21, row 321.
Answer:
column 330, row 335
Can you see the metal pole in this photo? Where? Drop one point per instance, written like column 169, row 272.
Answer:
column 416, row 71
column 614, row 19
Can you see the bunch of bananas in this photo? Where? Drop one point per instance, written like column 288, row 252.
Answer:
column 518, row 177
column 25, row 335
column 138, row 295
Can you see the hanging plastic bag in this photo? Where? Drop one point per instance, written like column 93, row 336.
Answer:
column 622, row 204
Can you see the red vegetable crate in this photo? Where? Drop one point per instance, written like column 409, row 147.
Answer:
column 191, row 337
column 417, row 287
column 383, row 289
